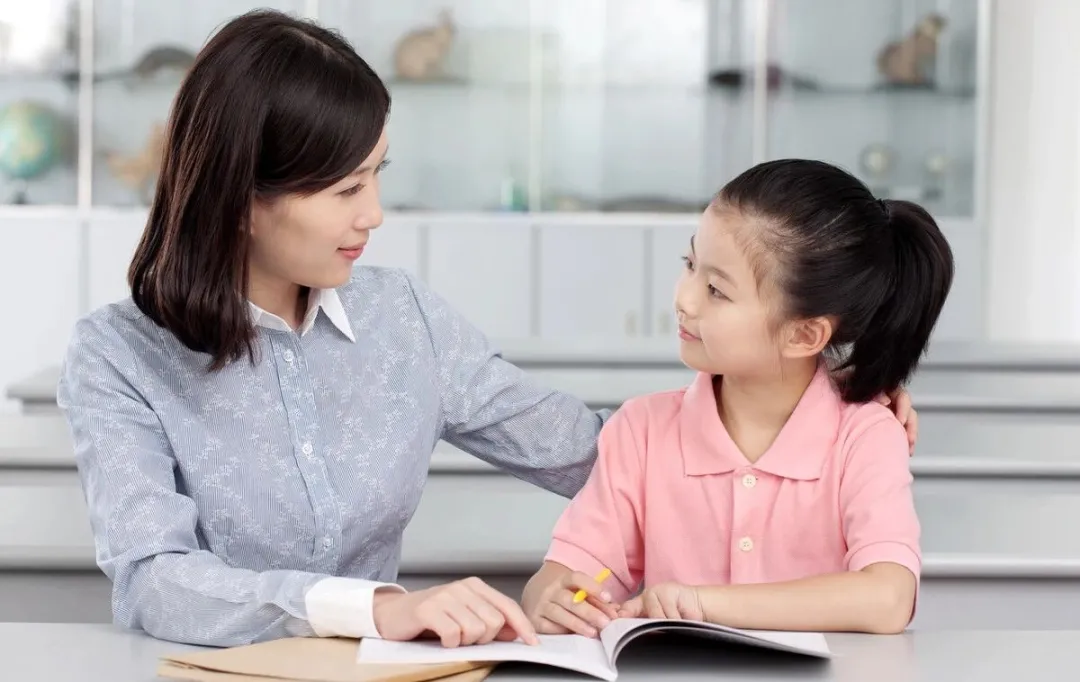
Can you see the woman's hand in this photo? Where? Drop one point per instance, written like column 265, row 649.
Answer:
column 668, row 600
column 900, row 402
column 461, row 613
column 551, row 608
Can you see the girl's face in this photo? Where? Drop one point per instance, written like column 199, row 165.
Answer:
column 313, row 241
column 723, row 316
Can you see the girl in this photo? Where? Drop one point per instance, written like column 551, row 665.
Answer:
column 766, row 495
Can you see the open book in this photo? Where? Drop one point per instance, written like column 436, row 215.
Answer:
column 585, row 655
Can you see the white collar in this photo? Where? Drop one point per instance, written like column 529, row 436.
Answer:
column 326, row 299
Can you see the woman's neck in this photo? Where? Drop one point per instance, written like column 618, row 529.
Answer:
column 287, row 300
column 754, row 410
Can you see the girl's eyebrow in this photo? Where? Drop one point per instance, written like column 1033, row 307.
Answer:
column 713, row 269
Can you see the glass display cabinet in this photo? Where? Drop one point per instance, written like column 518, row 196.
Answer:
column 641, row 106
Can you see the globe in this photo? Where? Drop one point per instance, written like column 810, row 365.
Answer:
column 30, row 139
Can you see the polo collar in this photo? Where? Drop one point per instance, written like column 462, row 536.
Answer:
column 799, row 451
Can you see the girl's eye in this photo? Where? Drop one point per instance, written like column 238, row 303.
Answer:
column 348, row 192
column 715, row 293
column 687, row 262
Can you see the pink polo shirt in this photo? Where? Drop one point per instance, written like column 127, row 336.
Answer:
column 672, row 499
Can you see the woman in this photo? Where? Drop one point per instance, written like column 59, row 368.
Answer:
column 253, row 427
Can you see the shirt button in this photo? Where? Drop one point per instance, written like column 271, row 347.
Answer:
column 326, row 542
column 749, row 481
column 746, row 544
column 287, row 355
column 307, row 449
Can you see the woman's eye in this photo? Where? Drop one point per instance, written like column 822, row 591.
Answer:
column 351, row 190
column 687, row 262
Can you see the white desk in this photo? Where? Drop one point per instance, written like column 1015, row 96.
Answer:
column 101, row 653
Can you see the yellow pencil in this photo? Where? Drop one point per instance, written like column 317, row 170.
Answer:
column 603, row 575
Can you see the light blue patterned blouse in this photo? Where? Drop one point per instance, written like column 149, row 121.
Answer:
column 217, row 501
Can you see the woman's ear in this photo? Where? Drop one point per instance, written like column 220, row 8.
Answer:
column 262, row 215
column 807, row 338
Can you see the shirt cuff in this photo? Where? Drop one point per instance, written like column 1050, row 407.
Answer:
column 893, row 552
column 343, row 607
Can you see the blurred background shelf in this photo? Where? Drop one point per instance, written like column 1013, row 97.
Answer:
column 542, row 104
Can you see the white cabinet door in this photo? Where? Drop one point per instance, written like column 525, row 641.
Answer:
column 394, row 244
column 484, row 269
column 593, row 282
column 667, row 245
column 964, row 316
column 111, row 244
column 40, row 268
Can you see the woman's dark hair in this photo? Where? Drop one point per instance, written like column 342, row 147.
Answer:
column 881, row 269
column 273, row 105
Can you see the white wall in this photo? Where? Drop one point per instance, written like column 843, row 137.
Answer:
column 1033, row 278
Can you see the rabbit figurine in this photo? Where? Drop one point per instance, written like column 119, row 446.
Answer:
column 419, row 54
column 905, row 62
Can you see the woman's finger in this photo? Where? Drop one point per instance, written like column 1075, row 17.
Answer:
column 902, row 405
column 506, row 634
column 493, row 620
column 472, row 628
column 510, row 610
column 912, row 428
column 445, row 628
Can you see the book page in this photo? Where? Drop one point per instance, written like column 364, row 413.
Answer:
column 571, row 652
column 624, row 630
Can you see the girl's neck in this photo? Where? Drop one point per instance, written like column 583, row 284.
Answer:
column 287, row 300
column 754, row 410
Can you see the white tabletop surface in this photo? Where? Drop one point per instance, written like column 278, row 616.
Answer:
column 101, row 653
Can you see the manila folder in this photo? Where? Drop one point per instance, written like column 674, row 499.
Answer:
column 306, row 659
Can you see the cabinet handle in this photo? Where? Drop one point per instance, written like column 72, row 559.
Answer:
column 631, row 324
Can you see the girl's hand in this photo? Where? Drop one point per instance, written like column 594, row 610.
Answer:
column 668, row 600
column 900, row 402
column 554, row 612
column 462, row 613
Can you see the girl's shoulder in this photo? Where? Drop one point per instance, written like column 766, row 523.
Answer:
column 659, row 406
column 870, row 428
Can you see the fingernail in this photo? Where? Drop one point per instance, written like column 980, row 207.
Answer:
column 604, row 622
column 606, row 596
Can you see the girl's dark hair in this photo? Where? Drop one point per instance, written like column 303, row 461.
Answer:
column 881, row 269
column 273, row 105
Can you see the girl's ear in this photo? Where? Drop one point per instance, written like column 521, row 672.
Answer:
column 806, row 338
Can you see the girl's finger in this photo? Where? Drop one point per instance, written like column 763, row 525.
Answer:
column 563, row 618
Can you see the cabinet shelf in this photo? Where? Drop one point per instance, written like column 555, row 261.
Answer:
column 557, row 103
column 646, row 89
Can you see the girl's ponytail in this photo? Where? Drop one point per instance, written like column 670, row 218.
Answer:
column 887, row 351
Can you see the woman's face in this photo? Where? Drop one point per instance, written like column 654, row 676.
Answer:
column 313, row 241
